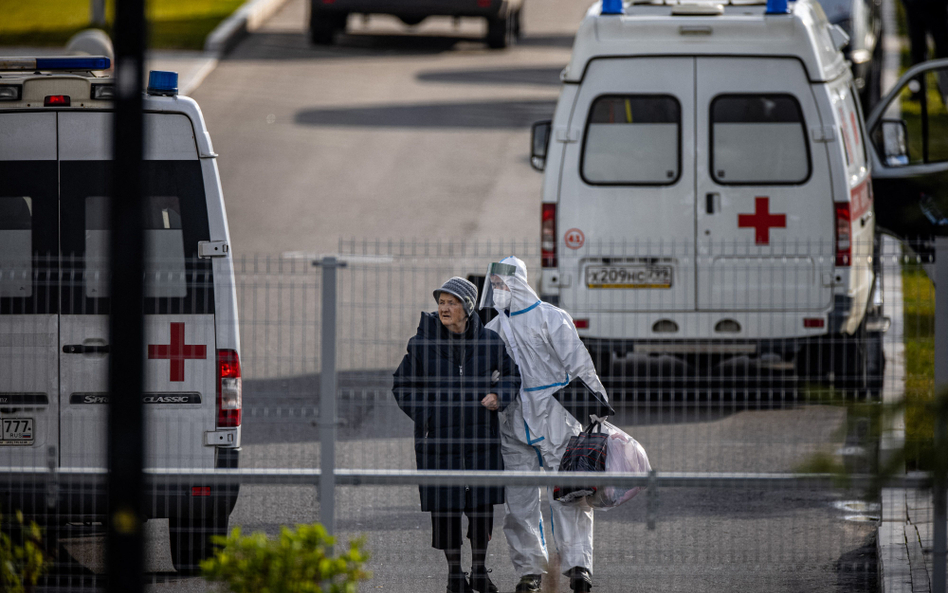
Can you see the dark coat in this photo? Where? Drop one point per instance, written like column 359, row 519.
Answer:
column 440, row 384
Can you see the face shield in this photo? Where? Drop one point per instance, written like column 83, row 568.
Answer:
column 496, row 293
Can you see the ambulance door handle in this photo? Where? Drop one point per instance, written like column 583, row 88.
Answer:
column 709, row 202
column 85, row 349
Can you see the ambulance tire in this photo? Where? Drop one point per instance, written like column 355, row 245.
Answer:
column 500, row 31
column 602, row 360
column 191, row 541
column 875, row 365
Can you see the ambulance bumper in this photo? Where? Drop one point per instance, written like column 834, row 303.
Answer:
column 76, row 501
column 81, row 496
column 714, row 331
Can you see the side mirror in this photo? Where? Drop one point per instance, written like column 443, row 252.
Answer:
column 895, row 142
column 539, row 143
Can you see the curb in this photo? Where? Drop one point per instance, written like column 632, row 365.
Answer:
column 245, row 19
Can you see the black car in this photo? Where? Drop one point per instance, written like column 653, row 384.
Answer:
column 327, row 17
column 862, row 21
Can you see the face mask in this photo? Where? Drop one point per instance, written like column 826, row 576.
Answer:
column 502, row 298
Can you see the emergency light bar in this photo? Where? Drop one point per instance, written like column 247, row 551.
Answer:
column 612, row 7
column 64, row 63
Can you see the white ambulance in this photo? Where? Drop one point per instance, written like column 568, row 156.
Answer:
column 707, row 191
column 55, row 173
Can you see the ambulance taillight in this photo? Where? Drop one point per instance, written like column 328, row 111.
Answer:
column 844, row 235
column 548, row 236
column 229, row 389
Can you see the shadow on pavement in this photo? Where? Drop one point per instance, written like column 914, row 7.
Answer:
column 481, row 115
column 295, row 45
column 514, row 76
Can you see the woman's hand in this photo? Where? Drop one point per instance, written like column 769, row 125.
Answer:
column 491, row 402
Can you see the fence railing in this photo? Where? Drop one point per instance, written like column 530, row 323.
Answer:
column 748, row 431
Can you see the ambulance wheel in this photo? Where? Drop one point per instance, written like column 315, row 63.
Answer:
column 191, row 542
column 602, row 360
column 500, row 31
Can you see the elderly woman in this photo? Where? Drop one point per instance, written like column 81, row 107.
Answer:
column 453, row 380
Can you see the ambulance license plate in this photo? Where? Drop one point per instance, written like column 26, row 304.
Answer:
column 629, row 276
column 16, row 431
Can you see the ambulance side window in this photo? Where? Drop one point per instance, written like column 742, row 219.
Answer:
column 758, row 140
column 632, row 140
column 850, row 129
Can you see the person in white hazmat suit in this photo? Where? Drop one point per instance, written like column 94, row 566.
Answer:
column 542, row 340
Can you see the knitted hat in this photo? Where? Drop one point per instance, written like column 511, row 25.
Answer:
column 463, row 290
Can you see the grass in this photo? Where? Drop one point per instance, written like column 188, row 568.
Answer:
column 173, row 24
column 919, row 318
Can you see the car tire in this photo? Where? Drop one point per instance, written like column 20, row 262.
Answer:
column 191, row 541
column 499, row 31
column 323, row 27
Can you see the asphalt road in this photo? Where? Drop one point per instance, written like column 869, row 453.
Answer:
column 423, row 134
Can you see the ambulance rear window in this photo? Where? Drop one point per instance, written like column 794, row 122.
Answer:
column 758, row 140
column 165, row 274
column 16, row 246
column 176, row 280
column 632, row 140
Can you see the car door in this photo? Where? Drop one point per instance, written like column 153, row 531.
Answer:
column 29, row 307
column 909, row 136
column 626, row 202
column 180, row 352
column 765, row 205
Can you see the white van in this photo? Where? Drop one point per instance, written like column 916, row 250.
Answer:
column 707, row 190
column 55, row 172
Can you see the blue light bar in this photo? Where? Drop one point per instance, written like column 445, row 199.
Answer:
column 777, row 7
column 612, row 7
column 76, row 63
column 162, row 83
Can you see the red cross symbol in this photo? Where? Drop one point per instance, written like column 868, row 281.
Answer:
column 762, row 220
column 177, row 351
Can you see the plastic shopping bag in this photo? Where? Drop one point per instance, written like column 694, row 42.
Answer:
column 623, row 454
column 585, row 452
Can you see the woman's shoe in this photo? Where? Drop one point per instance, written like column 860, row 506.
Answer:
column 579, row 579
column 457, row 583
column 480, row 580
column 529, row 583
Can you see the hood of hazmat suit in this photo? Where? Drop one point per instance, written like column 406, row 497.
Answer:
column 542, row 340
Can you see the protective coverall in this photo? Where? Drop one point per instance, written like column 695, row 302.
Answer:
column 535, row 429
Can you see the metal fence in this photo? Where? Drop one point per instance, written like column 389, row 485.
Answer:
column 736, row 381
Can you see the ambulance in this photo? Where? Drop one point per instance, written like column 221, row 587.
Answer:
column 55, row 173
column 707, row 193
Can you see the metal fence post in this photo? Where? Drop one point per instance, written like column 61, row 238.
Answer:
column 327, row 395
column 125, row 551
column 940, row 535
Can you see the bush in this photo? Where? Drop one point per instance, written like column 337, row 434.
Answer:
column 22, row 562
column 296, row 561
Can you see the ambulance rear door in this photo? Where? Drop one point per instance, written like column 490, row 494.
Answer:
column 765, row 218
column 625, row 219
column 29, row 322
column 180, row 346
